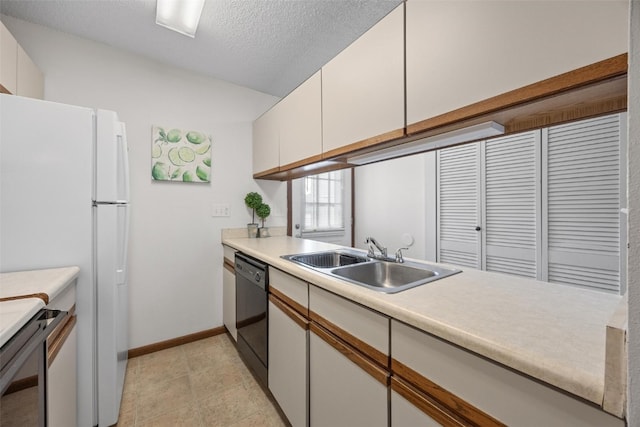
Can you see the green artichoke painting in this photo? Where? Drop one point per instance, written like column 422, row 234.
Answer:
column 180, row 155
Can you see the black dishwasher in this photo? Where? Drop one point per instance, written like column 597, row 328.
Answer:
column 252, row 285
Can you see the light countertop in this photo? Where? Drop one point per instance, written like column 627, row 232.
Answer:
column 551, row 332
column 14, row 314
column 23, row 293
column 45, row 284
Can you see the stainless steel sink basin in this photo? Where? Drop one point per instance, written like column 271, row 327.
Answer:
column 390, row 277
column 383, row 276
column 328, row 259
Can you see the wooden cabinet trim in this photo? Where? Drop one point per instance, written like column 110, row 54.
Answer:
column 296, row 306
column 376, row 372
column 454, row 403
column 44, row 297
column 266, row 173
column 229, row 265
column 53, row 336
column 426, row 404
column 589, row 91
column 299, row 163
column 290, row 312
column 374, row 354
column 304, row 170
column 4, row 90
column 365, row 143
column 61, row 338
column 584, row 76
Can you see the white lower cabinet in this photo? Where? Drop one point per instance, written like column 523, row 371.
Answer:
column 341, row 392
column 62, row 388
column 62, row 395
column 478, row 389
column 406, row 414
column 288, row 362
column 229, row 301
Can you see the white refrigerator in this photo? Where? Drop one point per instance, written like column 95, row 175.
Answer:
column 64, row 200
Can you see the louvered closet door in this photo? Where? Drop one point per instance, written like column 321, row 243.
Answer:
column 583, row 202
column 511, row 194
column 459, row 205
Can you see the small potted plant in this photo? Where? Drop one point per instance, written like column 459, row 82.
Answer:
column 263, row 211
column 253, row 201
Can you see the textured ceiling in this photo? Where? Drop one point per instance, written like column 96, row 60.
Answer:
column 268, row 45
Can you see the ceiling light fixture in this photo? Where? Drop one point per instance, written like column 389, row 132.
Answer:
column 179, row 15
column 471, row 133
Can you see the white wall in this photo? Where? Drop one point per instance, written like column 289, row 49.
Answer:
column 390, row 201
column 633, row 255
column 175, row 253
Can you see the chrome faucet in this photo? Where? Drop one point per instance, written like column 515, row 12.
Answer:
column 373, row 242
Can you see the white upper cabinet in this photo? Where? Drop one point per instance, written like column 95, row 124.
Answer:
column 30, row 81
column 462, row 52
column 8, row 60
column 19, row 75
column 266, row 141
column 301, row 122
column 363, row 87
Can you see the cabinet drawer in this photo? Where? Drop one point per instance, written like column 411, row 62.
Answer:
column 229, row 253
column 480, row 389
column 362, row 328
column 289, row 289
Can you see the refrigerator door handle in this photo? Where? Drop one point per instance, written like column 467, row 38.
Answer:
column 123, row 164
column 121, row 270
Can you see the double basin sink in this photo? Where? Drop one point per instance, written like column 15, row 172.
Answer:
column 381, row 275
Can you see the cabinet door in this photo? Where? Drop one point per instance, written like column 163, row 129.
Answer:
column 301, row 124
column 288, row 362
column 363, row 88
column 462, row 52
column 583, row 193
column 483, row 391
column 266, row 142
column 229, row 301
column 510, row 208
column 62, row 389
column 8, row 60
column 459, row 206
column 30, row 81
column 341, row 391
column 409, row 409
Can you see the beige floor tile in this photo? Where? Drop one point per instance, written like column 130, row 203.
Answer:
column 172, row 395
column 203, row 383
column 229, row 407
column 259, row 419
column 151, row 372
column 211, row 382
column 126, row 418
column 188, row 416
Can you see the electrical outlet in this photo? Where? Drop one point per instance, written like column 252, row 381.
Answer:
column 218, row 210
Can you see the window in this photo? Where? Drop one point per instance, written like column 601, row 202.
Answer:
column 544, row 204
column 321, row 207
column 323, row 202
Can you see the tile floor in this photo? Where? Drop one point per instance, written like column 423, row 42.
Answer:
column 203, row 383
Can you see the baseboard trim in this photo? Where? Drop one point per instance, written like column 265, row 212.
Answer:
column 174, row 342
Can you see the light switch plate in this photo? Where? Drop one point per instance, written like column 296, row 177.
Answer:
column 219, row 210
